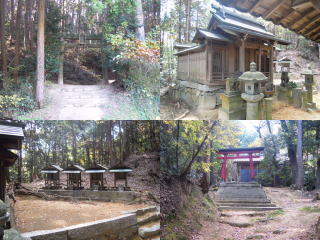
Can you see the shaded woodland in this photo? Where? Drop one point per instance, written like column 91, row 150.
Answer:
column 82, row 142
column 90, row 42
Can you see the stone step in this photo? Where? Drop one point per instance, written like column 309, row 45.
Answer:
column 247, row 204
column 253, row 200
column 142, row 211
column 148, row 232
column 250, row 208
column 148, row 217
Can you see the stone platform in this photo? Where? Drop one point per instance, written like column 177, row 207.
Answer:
column 108, row 196
column 243, row 196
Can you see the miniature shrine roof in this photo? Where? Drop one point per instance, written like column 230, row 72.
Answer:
column 52, row 169
column 11, row 134
column 96, row 168
column 120, row 168
column 74, row 169
column 300, row 16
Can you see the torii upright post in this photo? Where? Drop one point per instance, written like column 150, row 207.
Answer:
column 224, row 168
column 251, row 166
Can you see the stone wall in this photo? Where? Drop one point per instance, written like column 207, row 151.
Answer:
column 119, row 228
column 112, row 196
column 196, row 96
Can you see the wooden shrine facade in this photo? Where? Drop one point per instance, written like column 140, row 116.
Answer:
column 96, row 176
column 226, row 48
column 243, row 157
column 74, row 181
column 120, row 172
column 11, row 137
column 52, row 176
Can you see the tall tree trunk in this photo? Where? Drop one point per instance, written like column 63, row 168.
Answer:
column 180, row 22
column 109, row 143
column 18, row 42
column 177, row 146
column 40, row 53
column 12, row 20
column 188, row 21
column 291, row 149
column 318, row 158
column 28, row 23
column 140, row 21
column 300, row 173
column 3, row 44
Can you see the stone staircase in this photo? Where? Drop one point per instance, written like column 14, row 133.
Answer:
column 243, row 196
column 149, row 223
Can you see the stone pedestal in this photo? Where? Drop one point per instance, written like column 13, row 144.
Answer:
column 233, row 107
column 297, row 97
column 267, row 108
column 285, row 94
column 309, row 92
column 252, row 112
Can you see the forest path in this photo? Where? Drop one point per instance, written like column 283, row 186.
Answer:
column 85, row 102
column 293, row 223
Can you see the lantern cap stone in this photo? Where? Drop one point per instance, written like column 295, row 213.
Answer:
column 309, row 71
column 253, row 74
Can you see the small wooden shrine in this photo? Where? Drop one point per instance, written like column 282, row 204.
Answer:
column 120, row 173
column 96, row 172
column 74, row 177
column 52, row 176
column 11, row 137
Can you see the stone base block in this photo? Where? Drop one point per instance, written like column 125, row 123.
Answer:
column 297, row 97
column 195, row 95
column 233, row 107
column 284, row 94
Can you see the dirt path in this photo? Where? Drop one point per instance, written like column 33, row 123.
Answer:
column 35, row 214
column 291, row 224
column 85, row 102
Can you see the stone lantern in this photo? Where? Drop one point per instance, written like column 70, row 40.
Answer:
column 309, row 82
column 285, row 69
column 252, row 95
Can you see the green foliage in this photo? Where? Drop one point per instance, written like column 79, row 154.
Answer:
column 293, row 84
column 17, row 99
column 275, row 213
column 141, row 79
column 310, row 209
column 191, row 134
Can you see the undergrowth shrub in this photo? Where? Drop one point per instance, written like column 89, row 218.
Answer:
column 17, row 99
column 141, row 79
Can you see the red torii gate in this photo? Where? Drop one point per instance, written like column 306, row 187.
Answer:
column 238, row 153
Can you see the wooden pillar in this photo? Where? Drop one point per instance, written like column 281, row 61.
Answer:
column 259, row 60
column 271, row 65
column 242, row 56
column 251, row 166
column 2, row 181
column 224, row 168
column 60, row 76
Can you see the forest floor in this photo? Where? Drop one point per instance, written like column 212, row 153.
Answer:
column 85, row 102
column 295, row 222
column 34, row 214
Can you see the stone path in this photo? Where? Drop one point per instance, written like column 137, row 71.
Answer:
column 85, row 102
column 292, row 223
